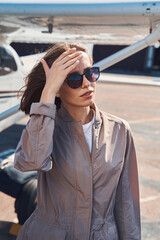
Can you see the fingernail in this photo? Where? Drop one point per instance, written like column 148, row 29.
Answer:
column 77, row 61
column 73, row 48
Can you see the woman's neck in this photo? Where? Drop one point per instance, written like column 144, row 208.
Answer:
column 80, row 113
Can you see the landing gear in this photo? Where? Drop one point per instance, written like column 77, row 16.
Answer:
column 50, row 24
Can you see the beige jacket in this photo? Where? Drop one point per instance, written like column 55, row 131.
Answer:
column 80, row 197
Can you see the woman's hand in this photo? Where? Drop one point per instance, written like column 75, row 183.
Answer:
column 60, row 68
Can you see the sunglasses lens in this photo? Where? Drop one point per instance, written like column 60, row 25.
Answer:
column 74, row 84
column 74, row 81
column 92, row 74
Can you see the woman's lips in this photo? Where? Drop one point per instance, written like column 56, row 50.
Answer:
column 87, row 94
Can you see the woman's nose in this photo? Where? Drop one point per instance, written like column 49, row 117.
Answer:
column 85, row 82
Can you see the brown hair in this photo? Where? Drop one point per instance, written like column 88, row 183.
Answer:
column 35, row 80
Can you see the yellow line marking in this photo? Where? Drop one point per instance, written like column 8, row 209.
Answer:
column 15, row 227
column 148, row 199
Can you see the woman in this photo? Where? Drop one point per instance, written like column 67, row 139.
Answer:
column 85, row 158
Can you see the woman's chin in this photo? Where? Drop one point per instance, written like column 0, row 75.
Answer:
column 88, row 103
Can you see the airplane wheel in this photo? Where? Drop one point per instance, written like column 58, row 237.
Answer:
column 26, row 201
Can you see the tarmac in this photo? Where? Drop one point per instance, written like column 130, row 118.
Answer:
column 140, row 106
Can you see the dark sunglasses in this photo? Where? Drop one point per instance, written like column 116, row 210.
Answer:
column 75, row 80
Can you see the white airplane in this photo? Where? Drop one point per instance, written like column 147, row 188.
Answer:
column 135, row 23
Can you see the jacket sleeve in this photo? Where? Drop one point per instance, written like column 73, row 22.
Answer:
column 34, row 149
column 127, row 206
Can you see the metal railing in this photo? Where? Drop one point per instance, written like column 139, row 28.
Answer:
column 10, row 117
column 9, row 112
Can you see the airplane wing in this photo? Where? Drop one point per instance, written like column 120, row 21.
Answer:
column 89, row 22
column 97, row 22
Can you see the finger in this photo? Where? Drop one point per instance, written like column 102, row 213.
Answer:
column 69, row 51
column 69, row 57
column 71, row 67
column 45, row 65
column 71, row 61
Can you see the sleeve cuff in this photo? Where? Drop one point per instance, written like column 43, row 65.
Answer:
column 40, row 108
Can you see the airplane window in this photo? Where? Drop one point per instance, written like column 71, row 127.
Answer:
column 7, row 62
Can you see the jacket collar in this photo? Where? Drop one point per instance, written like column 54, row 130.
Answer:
column 63, row 114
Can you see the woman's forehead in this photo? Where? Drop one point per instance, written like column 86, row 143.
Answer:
column 83, row 63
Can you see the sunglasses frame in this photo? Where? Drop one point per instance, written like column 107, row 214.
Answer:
column 81, row 75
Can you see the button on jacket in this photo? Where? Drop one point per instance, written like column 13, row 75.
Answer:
column 81, row 196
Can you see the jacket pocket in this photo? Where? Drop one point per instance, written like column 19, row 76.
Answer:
column 41, row 230
column 110, row 231
column 104, row 231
